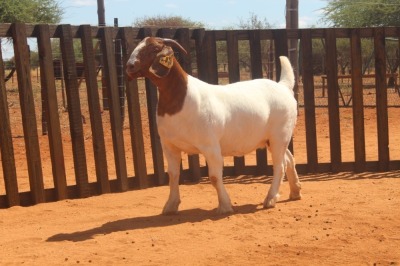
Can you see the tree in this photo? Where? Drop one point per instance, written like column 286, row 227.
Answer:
column 366, row 13
column 30, row 11
column 253, row 22
column 166, row 22
column 362, row 13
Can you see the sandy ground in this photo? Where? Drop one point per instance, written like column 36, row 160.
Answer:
column 343, row 219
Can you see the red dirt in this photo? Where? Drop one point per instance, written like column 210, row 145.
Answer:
column 347, row 218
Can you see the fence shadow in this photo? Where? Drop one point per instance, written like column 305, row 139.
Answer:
column 349, row 176
column 249, row 179
column 135, row 223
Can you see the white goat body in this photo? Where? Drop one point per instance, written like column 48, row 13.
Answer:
column 218, row 120
column 241, row 116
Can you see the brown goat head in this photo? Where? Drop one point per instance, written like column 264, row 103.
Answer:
column 153, row 57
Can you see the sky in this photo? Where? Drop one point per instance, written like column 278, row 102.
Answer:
column 215, row 14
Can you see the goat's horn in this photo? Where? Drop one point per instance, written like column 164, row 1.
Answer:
column 175, row 44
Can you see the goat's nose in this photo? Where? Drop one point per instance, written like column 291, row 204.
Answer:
column 130, row 67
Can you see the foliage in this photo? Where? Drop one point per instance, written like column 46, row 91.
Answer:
column 55, row 44
column 166, row 21
column 362, row 13
column 253, row 22
column 30, row 11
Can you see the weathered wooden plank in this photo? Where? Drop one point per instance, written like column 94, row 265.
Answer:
column 255, row 54
column 233, row 56
column 50, row 104
column 135, row 118
column 232, row 45
column 198, row 36
column 309, row 100
column 166, row 33
column 99, row 149
column 120, row 74
column 22, row 62
column 266, row 34
column 256, row 72
column 281, row 49
column 115, row 111
column 5, row 29
column 152, row 100
column 381, row 98
column 6, row 145
column 183, row 37
column 358, row 106
column 210, row 46
column 206, row 56
column 74, row 110
column 333, row 100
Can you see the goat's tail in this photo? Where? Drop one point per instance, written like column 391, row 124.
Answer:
column 287, row 75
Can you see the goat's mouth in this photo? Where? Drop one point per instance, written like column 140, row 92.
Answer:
column 133, row 74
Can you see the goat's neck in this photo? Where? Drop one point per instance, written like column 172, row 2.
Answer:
column 172, row 90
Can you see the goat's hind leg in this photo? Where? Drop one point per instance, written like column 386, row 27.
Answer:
column 279, row 166
column 174, row 161
column 292, row 177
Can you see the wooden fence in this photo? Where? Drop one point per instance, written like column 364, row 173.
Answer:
column 204, row 55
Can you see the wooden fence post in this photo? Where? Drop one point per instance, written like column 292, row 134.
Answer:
column 22, row 62
column 99, row 149
column 74, row 110
column 206, row 56
column 358, row 106
column 6, row 145
column 381, row 98
column 50, row 104
column 309, row 97
column 115, row 111
column 333, row 100
column 134, row 113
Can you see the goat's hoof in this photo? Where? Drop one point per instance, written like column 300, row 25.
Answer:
column 171, row 208
column 295, row 196
column 270, row 203
column 224, row 209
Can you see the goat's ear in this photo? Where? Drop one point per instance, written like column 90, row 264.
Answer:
column 163, row 62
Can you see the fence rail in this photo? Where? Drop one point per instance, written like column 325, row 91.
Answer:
column 203, row 45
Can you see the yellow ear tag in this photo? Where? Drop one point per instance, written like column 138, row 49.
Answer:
column 166, row 61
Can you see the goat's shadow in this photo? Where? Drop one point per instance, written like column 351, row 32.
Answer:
column 184, row 216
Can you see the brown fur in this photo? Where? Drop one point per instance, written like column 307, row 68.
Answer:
column 172, row 86
column 172, row 90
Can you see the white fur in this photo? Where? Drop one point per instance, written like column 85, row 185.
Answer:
column 134, row 56
column 228, row 120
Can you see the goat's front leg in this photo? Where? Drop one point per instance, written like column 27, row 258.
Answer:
column 174, row 161
column 215, row 167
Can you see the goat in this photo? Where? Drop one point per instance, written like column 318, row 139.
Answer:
column 218, row 120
